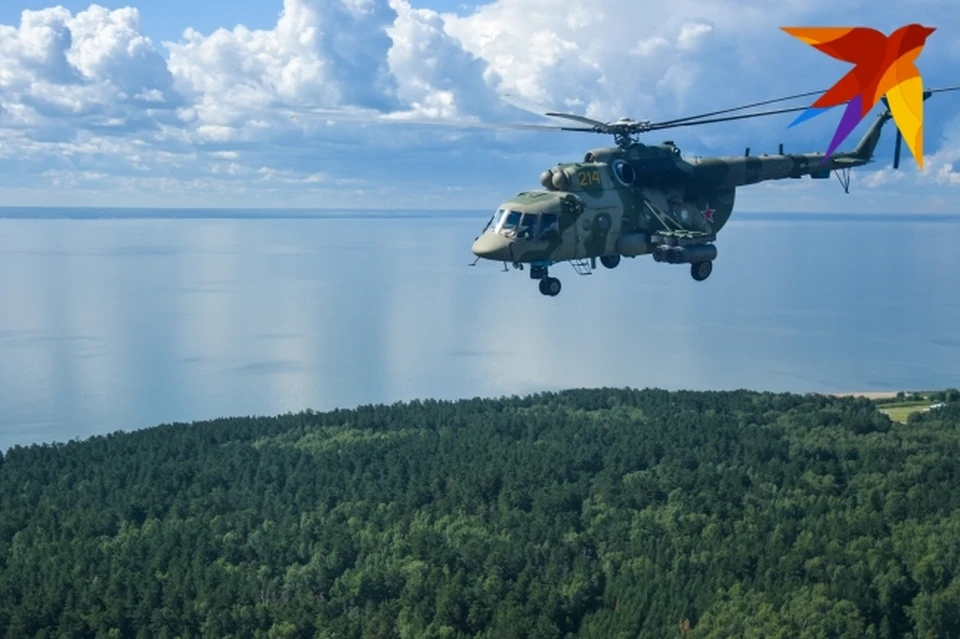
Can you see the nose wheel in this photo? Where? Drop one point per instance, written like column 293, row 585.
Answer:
column 550, row 286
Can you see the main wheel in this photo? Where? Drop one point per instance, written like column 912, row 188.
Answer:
column 701, row 270
column 550, row 286
column 610, row 261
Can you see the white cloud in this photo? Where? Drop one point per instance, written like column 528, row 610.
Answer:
column 881, row 177
column 434, row 75
column 94, row 66
column 229, row 73
column 943, row 167
column 548, row 56
column 90, row 95
column 647, row 47
column 691, row 34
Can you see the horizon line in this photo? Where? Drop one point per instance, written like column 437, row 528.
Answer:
column 38, row 207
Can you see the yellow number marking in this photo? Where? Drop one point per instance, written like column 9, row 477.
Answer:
column 586, row 178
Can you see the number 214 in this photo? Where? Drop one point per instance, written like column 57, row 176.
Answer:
column 589, row 177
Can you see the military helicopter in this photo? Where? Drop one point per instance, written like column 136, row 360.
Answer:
column 635, row 199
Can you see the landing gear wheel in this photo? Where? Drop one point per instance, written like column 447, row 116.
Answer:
column 550, row 286
column 553, row 287
column 701, row 270
column 610, row 261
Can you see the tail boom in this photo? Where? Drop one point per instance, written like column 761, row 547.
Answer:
column 742, row 170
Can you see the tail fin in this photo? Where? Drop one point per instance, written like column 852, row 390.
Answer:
column 868, row 143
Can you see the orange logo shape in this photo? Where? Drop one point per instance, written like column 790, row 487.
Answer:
column 884, row 67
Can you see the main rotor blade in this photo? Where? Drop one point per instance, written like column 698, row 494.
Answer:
column 677, row 121
column 691, row 122
column 739, row 108
column 375, row 117
column 667, row 125
column 578, row 118
column 942, row 89
column 538, row 109
column 928, row 92
column 594, row 126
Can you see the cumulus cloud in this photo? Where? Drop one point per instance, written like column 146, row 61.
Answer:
column 611, row 57
column 89, row 95
column 943, row 167
column 882, row 177
column 434, row 75
column 691, row 34
column 95, row 67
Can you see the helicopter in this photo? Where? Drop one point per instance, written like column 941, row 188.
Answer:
column 635, row 199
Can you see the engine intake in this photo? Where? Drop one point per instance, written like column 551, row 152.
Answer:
column 554, row 180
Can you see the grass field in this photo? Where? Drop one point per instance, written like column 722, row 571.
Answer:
column 900, row 412
column 906, row 404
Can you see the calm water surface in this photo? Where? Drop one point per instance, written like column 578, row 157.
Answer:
column 121, row 324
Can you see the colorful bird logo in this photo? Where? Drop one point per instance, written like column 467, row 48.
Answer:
column 884, row 67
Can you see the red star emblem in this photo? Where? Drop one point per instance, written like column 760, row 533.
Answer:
column 708, row 213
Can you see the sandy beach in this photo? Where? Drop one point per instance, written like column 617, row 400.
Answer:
column 868, row 394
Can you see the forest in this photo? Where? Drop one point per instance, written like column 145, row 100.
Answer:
column 602, row 513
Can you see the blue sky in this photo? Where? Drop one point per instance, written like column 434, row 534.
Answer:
column 167, row 19
column 178, row 103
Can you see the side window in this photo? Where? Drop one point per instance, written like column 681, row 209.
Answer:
column 549, row 227
column 527, row 224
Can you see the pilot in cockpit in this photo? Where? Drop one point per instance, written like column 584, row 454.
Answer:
column 549, row 227
column 528, row 225
column 525, row 225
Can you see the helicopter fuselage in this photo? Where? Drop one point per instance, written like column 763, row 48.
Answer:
column 638, row 199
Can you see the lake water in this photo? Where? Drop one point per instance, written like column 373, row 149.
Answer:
column 119, row 324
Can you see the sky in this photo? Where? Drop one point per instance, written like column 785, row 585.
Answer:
column 270, row 103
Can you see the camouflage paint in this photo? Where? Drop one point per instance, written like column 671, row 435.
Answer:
column 667, row 193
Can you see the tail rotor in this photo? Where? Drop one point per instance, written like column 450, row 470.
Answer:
column 898, row 145
column 896, row 149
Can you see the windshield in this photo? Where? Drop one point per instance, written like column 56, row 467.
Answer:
column 495, row 220
column 539, row 226
column 508, row 221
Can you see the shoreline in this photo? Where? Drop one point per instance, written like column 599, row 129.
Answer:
column 869, row 394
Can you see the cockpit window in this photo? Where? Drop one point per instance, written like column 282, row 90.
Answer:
column 549, row 226
column 495, row 221
column 527, row 226
column 540, row 226
column 509, row 221
column 492, row 224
